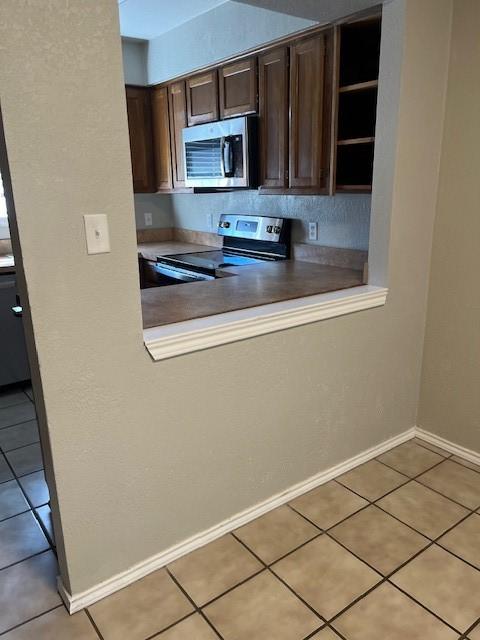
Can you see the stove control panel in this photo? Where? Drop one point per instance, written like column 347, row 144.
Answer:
column 250, row 227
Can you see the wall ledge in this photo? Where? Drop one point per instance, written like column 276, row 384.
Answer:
column 203, row 333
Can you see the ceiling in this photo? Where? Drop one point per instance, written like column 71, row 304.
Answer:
column 147, row 19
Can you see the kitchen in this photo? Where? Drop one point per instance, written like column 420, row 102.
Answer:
column 265, row 154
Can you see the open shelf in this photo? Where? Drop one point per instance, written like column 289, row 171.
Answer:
column 359, row 56
column 359, row 86
column 355, row 141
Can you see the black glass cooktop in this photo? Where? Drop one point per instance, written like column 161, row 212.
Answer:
column 209, row 260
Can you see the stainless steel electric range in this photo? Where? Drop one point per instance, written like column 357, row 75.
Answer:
column 246, row 240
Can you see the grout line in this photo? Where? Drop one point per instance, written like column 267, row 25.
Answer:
column 33, row 555
column 423, row 443
column 194, row 604
column 20, row 624
column 170, row 626
column 92, row 622
column 22, row 446
column 20, row 513
column 15, row 424
column 464, row 635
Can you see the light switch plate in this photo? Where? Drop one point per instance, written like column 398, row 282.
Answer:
column 148, row 219
column 312, row 231
column 96, row 233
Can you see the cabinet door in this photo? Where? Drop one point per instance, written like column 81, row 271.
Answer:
column 273, row 125
column 202, row 98
column 161, row 139
column 178, row 121
column 307, row 65
column 238, row 88
column 140, row 131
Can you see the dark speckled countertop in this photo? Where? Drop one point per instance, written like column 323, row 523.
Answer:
column 243, row 287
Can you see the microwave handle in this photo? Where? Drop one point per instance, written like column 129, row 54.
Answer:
column 227, row 157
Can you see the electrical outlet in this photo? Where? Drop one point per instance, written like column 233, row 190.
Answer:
column 96, row 233
column 210, row 221
column 312, row 231
column 148, row 219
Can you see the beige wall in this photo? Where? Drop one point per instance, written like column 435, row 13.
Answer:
column 146, row 454
column 450, row 393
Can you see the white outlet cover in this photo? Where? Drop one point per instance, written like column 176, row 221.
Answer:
column 148, row 219
column 312, row 230
column 96, row 233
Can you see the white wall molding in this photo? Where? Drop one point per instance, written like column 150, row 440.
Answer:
column 76, row 602
column 202, row 333
column 456, row 449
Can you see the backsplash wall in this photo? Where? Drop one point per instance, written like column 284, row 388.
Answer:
column 343, row 220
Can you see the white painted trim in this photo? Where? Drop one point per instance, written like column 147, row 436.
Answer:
column 79, row 601
column 202, row 333
column 456, row 449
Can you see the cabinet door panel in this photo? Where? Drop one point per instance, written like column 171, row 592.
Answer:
column 178, row 121
column 140, row 132
column 273, row 109
column 161, row 139
column 202, row 98
column 238, row 88
column 307, row 63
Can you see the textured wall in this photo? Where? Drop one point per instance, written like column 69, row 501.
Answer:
column 159, row 206
column 450, row 396
column 146, row 454
column 134, row 54
column 228, row 29
column 343, row 221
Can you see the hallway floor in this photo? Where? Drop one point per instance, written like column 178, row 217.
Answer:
column 389, row 550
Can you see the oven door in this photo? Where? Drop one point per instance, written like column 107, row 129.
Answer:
column 217, row 154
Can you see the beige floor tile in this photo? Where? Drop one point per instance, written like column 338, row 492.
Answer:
column 193, row 628
column 28, row 589
column 19, row 436
column 464, row 540
column 475, row 634
column 276, row 533
column 17, row 413
column 454, row 481
column 432, row 447
column 423, row 509
column 208, row 572
column 142, row 609
column 325, row 575
column 372, row 480
column 411, row 459
column 9, row 398
column 466, row 463
column 325, row 634
column 261, row 608
column 328, row 504
column 379, row 539
column 26, row 460
column 20, row 537
column 56, row 625
column 5, row 473
column 387, row 614
column 446, row 585
column 11, row 500
column 45, row 515
column 36, row 488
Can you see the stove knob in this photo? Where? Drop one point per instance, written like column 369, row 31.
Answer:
column 277, row 229
column 269, row 229
column 226, row 225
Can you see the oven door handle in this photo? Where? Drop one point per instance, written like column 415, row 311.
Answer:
column 226, row 161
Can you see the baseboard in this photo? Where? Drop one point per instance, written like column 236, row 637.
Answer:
column 76, row 602
column 456, row 449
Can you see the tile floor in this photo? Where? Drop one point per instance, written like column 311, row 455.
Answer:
column 388, row 551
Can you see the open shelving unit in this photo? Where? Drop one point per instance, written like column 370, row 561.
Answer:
column 358, row 53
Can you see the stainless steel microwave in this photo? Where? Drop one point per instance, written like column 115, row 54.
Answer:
column 219, row 154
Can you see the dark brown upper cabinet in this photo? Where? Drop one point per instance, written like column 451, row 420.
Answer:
column 140, row 131
column 307, row 163
column 238, row 88
column 177, row 107
column 202, row 98
column 273, row 126
column 161, row 139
